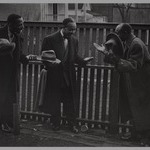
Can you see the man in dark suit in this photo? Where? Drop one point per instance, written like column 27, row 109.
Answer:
column 9, row 63
column 61, row 78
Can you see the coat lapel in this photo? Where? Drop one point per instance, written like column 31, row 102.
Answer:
column 60, row 50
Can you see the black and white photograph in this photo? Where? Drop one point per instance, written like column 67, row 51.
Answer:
column 75, row 74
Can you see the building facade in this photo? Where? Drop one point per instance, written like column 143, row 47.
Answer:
column 81, row 12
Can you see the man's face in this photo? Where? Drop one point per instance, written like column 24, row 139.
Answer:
column 70, row 29
column 17, row 26
column 122, row 35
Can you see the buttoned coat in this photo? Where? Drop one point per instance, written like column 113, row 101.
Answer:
column 134, row 70
column 52, row 96
column 9, row 65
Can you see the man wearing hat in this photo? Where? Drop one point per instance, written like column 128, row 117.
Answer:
column 10, row 56
column 61, row 75
column 133, row 64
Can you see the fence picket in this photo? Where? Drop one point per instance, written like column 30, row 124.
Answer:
column 105, row 77
column 97, row 99
column 91, row 92
column 84, row 102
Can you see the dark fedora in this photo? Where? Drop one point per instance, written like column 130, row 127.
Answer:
column 49, row 56
column 114, row 43
column 6, row 47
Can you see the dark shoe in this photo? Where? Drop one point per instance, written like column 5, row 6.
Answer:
column 128, row 136
column 74, row 129
column 6, row 128
column 55, row 128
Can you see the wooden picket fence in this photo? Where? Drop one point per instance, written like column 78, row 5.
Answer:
column 97, row 95
column 97, row 83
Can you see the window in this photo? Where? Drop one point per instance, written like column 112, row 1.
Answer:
column 55, row 12
column 72, row 6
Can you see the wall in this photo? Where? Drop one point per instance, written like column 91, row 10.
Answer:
column 30, row 12
column 104, row 10
column 136, row 15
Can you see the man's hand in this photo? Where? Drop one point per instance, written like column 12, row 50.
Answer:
column 101, row 48
column 87, row 59
column 55, row 62
column 31, row 57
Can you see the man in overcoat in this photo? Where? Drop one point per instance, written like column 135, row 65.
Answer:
column 61, row 78
column 134, row 69
column 9, row 65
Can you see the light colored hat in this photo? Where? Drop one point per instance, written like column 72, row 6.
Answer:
column 6, row 46
column 49, row 56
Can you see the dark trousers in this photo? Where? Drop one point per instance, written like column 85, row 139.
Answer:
column 6, row 115
column 68, row 108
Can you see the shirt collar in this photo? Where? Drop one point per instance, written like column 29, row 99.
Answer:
column 10, row 35
column 61, row 33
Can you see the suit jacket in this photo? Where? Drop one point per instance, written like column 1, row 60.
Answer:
column 64, row 72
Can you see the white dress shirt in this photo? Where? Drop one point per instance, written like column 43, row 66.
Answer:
column 65, row 40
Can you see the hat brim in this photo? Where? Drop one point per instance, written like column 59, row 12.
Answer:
column 51, row 61
column 118, row 48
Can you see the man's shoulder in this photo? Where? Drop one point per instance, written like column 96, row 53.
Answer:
column 138, row 41
column 52, row 35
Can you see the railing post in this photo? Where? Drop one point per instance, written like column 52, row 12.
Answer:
column 114, row 102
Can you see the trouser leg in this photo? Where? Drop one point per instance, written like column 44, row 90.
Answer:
column 70, row 113
column 68, row 106
column 55, row 119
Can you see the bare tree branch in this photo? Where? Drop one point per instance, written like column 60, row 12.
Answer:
column 124, row 10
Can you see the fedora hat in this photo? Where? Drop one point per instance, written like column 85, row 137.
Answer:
column 114, row 43
column 48, row 56
column 5, row 46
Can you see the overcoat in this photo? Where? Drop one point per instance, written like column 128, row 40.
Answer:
column 51, row 103
column 134, row 70
column 9, row 65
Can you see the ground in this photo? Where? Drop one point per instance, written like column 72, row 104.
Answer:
column 36, row 134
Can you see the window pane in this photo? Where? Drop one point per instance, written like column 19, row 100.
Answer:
column 71, row 6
